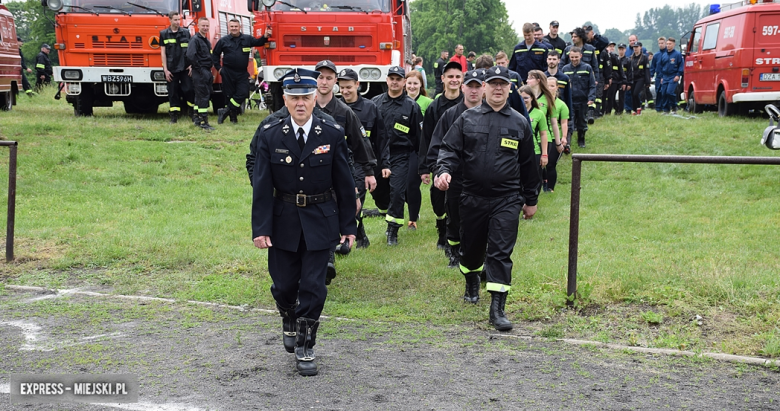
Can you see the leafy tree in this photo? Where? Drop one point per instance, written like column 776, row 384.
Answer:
column 666, row 21
column 35, row 25
column 482, row 26
column 616, row 35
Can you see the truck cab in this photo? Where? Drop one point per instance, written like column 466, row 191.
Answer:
column 10, row 61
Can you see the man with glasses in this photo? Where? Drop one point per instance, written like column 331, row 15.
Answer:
column 493, row 147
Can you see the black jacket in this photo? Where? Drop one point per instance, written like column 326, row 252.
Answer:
column 495, row 151
column 444, row 124
column 431, row 118
column 589, row 57
column 618, row 76
column 640, row 69
column 199, row 52
column 599, row 42
column 372, row 122
column 558, row 44
column 175, row 45
column 628, row 73
column 605, row 67
column 438, row 70
column 403, row 121
column 583, row 83
column 357, row 140
column 43, row 65
column 235, row 51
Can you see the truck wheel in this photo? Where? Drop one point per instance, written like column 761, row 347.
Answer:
column 84, row 103
column 6, row 101
column 134, row 107
column 693, row 106
column 725, row 108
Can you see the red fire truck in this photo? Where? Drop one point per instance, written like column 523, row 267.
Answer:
column 10, row 61
column 368, row 36
column 109, row 50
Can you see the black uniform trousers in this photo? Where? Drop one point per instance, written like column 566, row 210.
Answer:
column 202, row 80
column 25, row 83
column 609, row 98
column 490, row 221
column 413, row 193
column 437, row 202
column 399, row 166
column 306, row 285
column 550, row 173
column 235, row 86
column 179, row 87
column 40, row 82
column 638, row 92
column 452, row 206
column 619, row 106
column 580, row 111
column 381, row 193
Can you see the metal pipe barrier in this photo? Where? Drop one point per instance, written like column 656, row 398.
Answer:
column 9, row 238
column 576, row 177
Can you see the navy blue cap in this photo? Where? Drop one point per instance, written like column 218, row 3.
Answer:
column 621, row 45
column 45, row 46
column 474, row 75
column 348, row 74
column 326, row 64
column 300, row 81
column 497, row 72
column 452, row 64
column 397, row 71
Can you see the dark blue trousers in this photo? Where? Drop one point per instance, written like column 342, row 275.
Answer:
column 299, row 276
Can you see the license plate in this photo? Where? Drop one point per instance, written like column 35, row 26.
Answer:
column 769, row 77
column 117, row 79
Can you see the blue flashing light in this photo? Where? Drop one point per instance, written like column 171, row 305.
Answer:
column 362, row 47
column 714, row 8
column 292, row 46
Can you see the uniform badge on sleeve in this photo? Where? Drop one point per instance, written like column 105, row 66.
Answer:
column 322, row 149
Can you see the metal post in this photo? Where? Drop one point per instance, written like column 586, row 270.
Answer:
column 574, row 229
column 9, row 239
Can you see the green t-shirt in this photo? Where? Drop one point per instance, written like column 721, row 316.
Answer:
column 560, row 112
column 423, row 102
column 538, row 123
column 542, row 100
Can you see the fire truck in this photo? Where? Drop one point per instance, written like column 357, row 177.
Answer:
column 10, row 61
column 368, row 36
column 109, row 50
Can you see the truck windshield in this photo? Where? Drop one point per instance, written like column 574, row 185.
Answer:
column 333, row 6
column 119, row 6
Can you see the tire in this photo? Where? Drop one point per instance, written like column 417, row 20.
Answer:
column 6, row 101
column 693, row 106
column 725, row 108
column 84, row 103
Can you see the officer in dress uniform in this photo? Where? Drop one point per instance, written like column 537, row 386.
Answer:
column 235, row 50
column 304, row 198
column 493, row 146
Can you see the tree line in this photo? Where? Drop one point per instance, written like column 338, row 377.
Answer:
column 35, row 25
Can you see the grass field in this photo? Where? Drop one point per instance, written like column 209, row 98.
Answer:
column 137, row 206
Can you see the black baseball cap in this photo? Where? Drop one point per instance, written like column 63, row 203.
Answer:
column 497, row 72
column 452, row 64
column 554, row 23
column 612, row 43
column 621, row 45
column 398, row 71
column 636, row 44
column 326, row 64
column 474, row 75
column 348, row 74
column 45, row 46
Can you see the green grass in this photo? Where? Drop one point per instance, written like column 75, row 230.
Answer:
column 138, row 206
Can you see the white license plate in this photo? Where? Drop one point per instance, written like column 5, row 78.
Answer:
column 116, row 79
column 769, row 77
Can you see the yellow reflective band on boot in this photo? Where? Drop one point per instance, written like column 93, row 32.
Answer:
column 382, row 211
column 190, row 104
column 465, row 270
column 650, row 102
column 441, row 217
column 389, row 219
column 501, row 288
column 451, row 242
column 174, row 109
column 203, row 110
column 233, row 102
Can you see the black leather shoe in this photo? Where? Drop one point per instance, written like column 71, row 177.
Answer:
column 289, row 326
column 392, row 234
column 221, row 114
column 362, row 238
column 497, row 317
column 472, row 288
column 331, row 274
column 454, row 256
column 304, row 346
column 441, row 229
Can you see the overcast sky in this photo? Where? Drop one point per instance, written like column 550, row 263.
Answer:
column 607, row 14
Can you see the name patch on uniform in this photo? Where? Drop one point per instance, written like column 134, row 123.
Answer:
column 282, row 151
column 247, row 49
column 509, row 143
column 322, row 149
column 401, row 127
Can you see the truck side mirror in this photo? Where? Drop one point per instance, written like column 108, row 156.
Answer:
column 771, row 137
column 197, row 5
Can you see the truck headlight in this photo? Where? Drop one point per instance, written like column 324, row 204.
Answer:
column 278, row 73
column 71, row 74
column 158, row 75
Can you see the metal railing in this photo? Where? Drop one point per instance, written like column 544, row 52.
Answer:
column 576, row 177
column 9, row 239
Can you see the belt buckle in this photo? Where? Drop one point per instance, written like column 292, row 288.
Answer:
column 300, row 200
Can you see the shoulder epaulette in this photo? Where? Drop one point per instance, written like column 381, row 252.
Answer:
column 273, row 123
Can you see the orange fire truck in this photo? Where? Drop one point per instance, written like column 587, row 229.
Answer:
column 109, row 50
column 10, row 61
column 368, row 36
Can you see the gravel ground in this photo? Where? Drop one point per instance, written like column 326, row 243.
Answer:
column 190, row 357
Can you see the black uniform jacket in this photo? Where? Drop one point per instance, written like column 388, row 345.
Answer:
column 444, row 124
column 43, row 64
column 628, row 73
column 319, row 168
column 618, row 75
column 372, row 122
column 175, row 45
column 356, row 135
column 432, row 116
column 640, row 69
column 583, row 82
column 495, row 152
column 403, row 121
column 199, row 52
column 589, row 57
column 235, row 51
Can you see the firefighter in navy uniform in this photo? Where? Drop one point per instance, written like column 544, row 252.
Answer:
column 304, row 199
column 199, row 56
column 369, row 116
column 43, row 70
column 403, row 123
column 589, row 56
column 174, row 41
column 493, row 146
column 235, row 50
column 583, row 91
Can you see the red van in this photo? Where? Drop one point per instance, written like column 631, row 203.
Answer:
column 733, row 58
column 10, row 61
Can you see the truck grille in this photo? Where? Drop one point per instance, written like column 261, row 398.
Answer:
column 121, row 60
column 314, row 58
column 333, row 41
column 113, row 45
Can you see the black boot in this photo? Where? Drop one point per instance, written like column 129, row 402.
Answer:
column 590, row 117
column 362, row 238
column 441, row 228
column 204, row 122
column 304, row 346
column 343, row 248
column 472, row 288
column 221, row 114
column 581, row 139
column 454, row 256
column 194, row 115
column 497, row 317
column 331, row 274
column 392, row 233
column 288, row 327
column 234, row 116
column 174, row 117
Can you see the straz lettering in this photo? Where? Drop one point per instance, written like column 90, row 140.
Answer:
column 509, row 143
column 401, row 127
column 768, row 60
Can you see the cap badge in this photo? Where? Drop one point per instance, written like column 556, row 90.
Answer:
column 297, row 78
column 474, row 74
column 498, row 70
column 343, row 72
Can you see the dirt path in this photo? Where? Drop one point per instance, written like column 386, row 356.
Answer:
column 196, row 358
